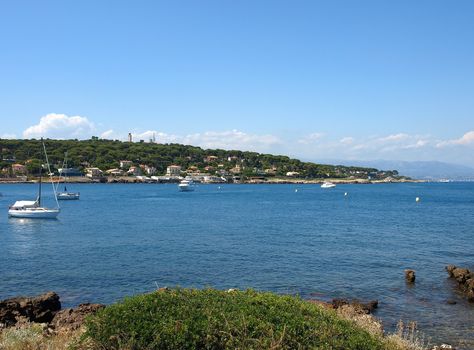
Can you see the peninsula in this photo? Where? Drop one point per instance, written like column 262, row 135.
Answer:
column 101, row 160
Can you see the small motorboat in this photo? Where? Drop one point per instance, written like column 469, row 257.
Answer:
column 328, row 184
column 186, row 186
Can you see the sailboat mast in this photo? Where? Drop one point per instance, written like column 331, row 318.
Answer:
column 65, row 174
column 39, row 190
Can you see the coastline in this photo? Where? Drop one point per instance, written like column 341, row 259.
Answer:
column 272, row 181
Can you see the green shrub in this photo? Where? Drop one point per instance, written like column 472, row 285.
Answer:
column 211, row 319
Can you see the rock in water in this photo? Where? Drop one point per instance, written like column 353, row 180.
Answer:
column 410, row 276
column 41, row 308
column 465, row 279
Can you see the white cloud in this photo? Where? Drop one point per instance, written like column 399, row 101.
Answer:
column 311, row 138
column 109, row 134
column 60, row 126
column 466, row 139
column 160, row 137
column 230, row 139
column 417, row 144
column 347, row 140
column 394, row 138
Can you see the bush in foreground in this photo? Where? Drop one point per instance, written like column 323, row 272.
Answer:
column 211, row 319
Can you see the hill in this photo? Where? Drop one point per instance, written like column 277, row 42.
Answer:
column 107, row 154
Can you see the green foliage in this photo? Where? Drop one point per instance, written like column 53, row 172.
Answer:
column 211, row 319
column 106, row 154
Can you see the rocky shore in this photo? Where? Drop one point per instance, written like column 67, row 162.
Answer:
column 464, row 278
column 20, row 313
column 44, row 309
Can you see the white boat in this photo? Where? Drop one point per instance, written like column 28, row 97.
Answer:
column 328, row 184
column 65, row 195
column 33, row 209
column 186, row 186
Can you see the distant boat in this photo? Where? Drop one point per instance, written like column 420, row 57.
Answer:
column 33, row 209
column 328, row 184
column 186, row 186
column 65, row 195
column 444, row 180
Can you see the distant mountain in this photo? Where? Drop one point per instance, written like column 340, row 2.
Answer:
column 416, row 169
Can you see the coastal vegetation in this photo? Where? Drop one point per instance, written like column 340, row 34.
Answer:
column 206, row 319
column 108, row 154
column 211, row 319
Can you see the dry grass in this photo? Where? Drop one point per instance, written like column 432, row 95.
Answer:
column 35, row 336
column 406, row 337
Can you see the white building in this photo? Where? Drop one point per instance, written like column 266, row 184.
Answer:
column 173, row 170
column 292, row 174
column 125, row 163
column 93, row 172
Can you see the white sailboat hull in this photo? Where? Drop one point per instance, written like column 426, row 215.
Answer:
column 34, row 213
column 67, row 195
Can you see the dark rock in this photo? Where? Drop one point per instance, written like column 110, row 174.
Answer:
column 366, row 308
column 461, row 275
column 451, row 302
column 450, row 269
column 410, row 276
column 41, row 308
column 73, row 318
column 465, row 279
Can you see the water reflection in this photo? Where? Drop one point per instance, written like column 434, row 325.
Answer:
column 27, row 234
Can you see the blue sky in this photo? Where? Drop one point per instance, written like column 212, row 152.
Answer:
column 313, row 79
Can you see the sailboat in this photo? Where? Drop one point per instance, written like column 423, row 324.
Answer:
column 33, row 209
column 65, row 195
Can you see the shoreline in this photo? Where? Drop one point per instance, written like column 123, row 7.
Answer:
column 274, row 181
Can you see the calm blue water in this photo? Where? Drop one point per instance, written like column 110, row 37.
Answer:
column 119, row 240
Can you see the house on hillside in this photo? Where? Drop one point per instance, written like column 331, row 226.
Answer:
column 210, row 159
column 236, row 170
column 134, row 170
column 292, row 174
column 173, row 170
column 94, row 173
column 115, row 172
column 149, row 170
column 19, row 168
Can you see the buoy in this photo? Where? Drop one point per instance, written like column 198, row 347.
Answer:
column 296, row 190
column 345, row 193
column 417, row 199
column 218, row 187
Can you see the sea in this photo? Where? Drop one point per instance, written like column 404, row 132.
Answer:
column 352, row 241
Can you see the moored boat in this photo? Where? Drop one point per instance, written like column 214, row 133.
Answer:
column 328, row 184
column 65, row 195
column 33, row 209
column 186, row 186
